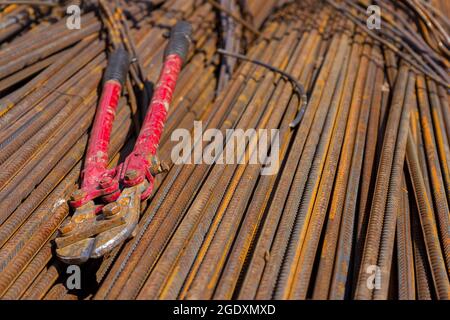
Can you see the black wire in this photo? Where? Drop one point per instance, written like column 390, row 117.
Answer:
column 299, row 87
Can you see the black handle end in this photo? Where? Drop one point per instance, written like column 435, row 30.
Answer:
column 118, row 65
column 180, row 38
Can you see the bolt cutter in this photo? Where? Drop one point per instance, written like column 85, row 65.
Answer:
column 107, row 205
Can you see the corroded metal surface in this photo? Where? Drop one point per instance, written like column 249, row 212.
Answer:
column 363, row 184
